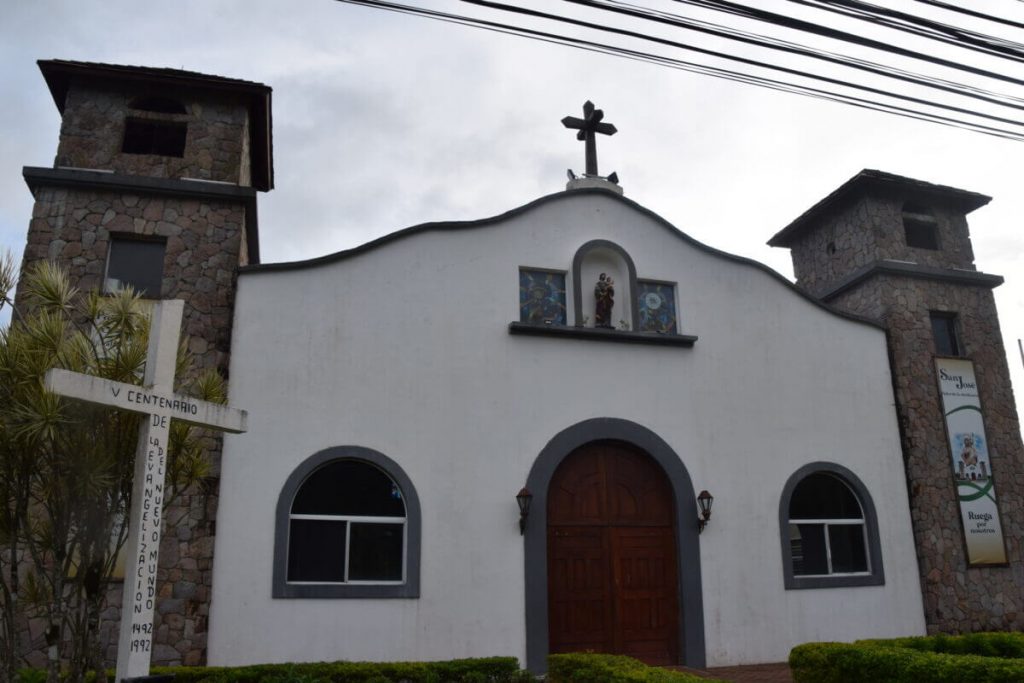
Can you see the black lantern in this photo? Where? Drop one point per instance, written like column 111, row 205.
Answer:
column 704, row 500
column 523, row 498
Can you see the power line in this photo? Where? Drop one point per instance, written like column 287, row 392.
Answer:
column 921, row 109
column 920, row 26
column 492, row 4
column 971, row 13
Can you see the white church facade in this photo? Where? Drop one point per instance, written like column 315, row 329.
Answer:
column 404, row 354
column 579, row 352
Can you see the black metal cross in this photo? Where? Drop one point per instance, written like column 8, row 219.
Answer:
column 588, row 126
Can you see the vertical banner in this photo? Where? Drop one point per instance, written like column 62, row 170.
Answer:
column 972, row 470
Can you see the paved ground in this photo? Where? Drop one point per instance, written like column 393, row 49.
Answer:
column 757, row 673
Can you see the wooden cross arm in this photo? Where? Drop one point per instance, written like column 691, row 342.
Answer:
column 142, row 400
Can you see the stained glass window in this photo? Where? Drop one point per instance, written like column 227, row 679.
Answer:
column 541, row 296
column 656, row 302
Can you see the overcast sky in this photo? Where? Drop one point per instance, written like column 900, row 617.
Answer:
column 382, row 121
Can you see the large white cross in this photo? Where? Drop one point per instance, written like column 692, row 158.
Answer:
column 156, row 399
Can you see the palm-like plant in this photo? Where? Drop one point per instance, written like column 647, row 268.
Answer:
column 66, row 467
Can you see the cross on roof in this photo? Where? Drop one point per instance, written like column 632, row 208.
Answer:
column 157, row 400
column 588, row 126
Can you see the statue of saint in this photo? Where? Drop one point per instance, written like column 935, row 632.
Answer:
column 604, row 296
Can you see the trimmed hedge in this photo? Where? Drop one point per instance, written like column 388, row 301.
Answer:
column 978, row 657
column 486, row 670
column 597, row 668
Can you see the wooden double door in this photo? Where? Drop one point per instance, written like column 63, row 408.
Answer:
column 612, row 575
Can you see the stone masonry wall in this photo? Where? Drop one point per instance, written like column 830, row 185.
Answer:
column 92, row 133
column 204, row 239
column 957, row 598
column 869, row 230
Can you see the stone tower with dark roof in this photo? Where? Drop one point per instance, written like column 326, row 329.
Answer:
column 154, row 185
column 899, row 251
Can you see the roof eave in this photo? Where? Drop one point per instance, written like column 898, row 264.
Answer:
column 870, row 181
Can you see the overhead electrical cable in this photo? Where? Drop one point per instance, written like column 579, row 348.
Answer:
column 835, row 34
column 491, row 4
column 924, row 114
column 971, row 13
column 923, row 27
column 793, row 48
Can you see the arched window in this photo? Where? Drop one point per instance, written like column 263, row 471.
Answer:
column 829, row 530
column 347, row 526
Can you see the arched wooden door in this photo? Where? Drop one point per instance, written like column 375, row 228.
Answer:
column 612, row 583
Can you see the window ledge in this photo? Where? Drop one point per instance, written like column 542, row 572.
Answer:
column 805, row 582
column 602, row 334
column 334, row 590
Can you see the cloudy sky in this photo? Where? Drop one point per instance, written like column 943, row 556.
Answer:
column 382, row 121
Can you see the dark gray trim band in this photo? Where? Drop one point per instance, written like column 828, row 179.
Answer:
column 913, row 270
column 577, row 285
column 409, row 589
column 877, row 575
column 691, row 604
column 601, row 334
column 79, row 179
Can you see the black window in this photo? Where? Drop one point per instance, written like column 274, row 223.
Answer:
column 826, row 528
column 158, row 104
column 944, row 332
column 920, row 227
column 829, row 530
column 135, row 263
column 347, row 525
column 144, row 136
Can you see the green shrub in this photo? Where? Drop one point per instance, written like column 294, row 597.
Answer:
column 484, row 670
column 600, row 668
column 978, row 657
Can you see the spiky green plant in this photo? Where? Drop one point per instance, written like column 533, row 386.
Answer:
column 66, row 467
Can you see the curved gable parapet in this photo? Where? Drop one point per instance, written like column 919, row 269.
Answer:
column 439, row 226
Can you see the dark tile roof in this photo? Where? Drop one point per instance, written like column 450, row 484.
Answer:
column 870, row 181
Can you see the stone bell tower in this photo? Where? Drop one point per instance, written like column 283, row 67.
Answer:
column 154, row 186
column 898, row 250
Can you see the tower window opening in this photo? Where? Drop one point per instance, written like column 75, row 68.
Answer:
column 136, row 263
column 944, row 332
column 165, row 138
column 160, row 105
column 920, row 227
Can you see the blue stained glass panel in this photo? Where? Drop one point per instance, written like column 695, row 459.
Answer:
column 656, row 302
column 541, row 297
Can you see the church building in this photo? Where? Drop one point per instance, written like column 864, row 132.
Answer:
column 567, row 427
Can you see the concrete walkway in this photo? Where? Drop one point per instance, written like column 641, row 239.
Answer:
column 756, row 673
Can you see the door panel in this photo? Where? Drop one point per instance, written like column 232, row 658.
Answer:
column 579, row 589
column 612, row 576
column 645, row 593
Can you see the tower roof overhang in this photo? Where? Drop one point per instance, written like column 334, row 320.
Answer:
column 60, row 74
column 872, row 182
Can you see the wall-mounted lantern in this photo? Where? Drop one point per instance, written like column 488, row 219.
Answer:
column 523, row 498
column 704, row 500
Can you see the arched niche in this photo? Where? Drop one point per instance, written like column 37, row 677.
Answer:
column 591, row 260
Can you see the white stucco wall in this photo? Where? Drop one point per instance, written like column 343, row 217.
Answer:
column 405, row 349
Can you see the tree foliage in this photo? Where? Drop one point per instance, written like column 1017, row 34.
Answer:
column 66, row 467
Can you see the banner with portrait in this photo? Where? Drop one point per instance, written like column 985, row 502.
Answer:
column 972, row 469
